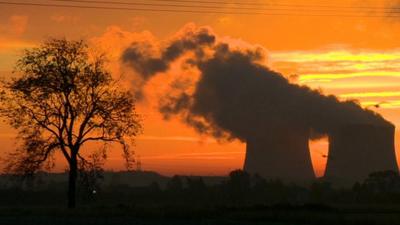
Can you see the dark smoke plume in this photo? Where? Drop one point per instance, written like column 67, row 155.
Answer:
column 139, row 58
column 238, row 97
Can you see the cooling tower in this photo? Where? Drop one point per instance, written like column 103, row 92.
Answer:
column 357, row 150
column 282, row 153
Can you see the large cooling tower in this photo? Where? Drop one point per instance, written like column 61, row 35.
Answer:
column 282, row 153
column 357, row 150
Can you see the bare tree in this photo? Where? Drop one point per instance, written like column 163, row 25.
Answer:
column 61, row 99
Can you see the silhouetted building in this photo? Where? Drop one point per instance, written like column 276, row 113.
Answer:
column 356, row 150
column 281, row 153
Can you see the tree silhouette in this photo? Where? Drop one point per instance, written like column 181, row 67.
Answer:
column 239, row 186
column 61, row 99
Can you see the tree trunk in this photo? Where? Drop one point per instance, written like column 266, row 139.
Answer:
column 73, row 171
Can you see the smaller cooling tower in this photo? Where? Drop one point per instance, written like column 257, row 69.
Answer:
column 280, row 153
column 357, row 150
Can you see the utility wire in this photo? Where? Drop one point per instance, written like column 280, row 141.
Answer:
column 382, row 10
column 272, row 4
column 185, row 11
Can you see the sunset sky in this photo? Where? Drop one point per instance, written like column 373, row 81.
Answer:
column 347, row 48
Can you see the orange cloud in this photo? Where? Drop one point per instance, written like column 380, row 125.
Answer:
column 19, row 24
column 15, row 26
column 65, row 18
column 371, row 94
column 114, row 40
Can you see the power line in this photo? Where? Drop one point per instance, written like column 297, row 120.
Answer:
column 272, row 4
column 385, row 10
column 184, row 11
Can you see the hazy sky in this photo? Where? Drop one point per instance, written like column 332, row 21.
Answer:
column 347, row 48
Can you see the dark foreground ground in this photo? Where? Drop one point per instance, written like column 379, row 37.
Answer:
column 147, row 198
column 277, row 215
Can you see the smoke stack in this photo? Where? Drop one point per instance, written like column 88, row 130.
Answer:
column 282, row 153
column 356, row 150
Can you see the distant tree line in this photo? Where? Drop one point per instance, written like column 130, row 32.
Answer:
column 238, row 190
